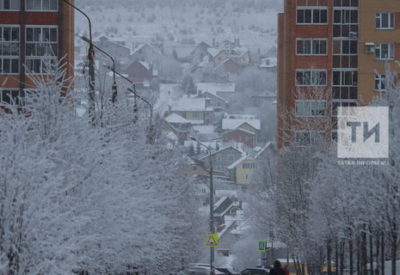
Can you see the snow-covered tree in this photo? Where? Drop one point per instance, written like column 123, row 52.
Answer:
column 358, row 206
column 74, row 196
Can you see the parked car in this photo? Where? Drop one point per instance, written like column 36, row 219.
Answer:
column 254, row 271
column 198, row 269
column 226, row 271
column 204, row 269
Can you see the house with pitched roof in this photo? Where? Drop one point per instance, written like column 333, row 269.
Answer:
column 193, row 109
column 244, row 169
column 248, row 123
column 146, row 52
column 142, row 73
column 228, row 68
column 178, row 126
column 225, row 206
column 216, row 91
column 200, row 53
column 222, row 158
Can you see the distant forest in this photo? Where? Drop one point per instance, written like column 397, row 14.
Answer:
column 237, row 5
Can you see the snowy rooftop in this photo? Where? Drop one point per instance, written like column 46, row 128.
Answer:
column 143, row 46
column 233, row 122
column 213, row 87
column 240, row 116
column 252, row 155
column 259, row 150
column 241, row 50
column 193, row 104
column 175, row 118
column 145, row 64
column 213, row 51
column 172, row 136
column 226, row 193
column 236, row 163
column 196, row 122
column 204, row 129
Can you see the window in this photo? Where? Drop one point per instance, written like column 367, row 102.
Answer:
column 380, row 82
column 41, row 48
column 8, row 97
column 249, row 165
column 345, row 3
column 385, row 21
column 384, row 51
column 345, row 92
column 9, row 5
column 342, row 103
column 345, row 16
column 309, row 138
column 345, row 47
column 310, row 77
column 42, row 5
column 310, row 108
column 310, row 46
column 9, row 50
column 345, row 78
column 345, row 22
column 312, row 15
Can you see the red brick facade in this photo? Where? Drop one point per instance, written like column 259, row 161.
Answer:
column 22, row 18
column 357, row 37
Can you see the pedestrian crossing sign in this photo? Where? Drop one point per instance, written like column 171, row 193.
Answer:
column 212, row 240
column 262, row 246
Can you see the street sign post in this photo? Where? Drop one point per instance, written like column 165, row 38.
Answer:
column 212, row 240
column 262, row 248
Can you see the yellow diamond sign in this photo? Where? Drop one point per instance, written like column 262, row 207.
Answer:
column 212, row 240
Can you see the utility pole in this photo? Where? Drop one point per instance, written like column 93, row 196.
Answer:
column 212, row 228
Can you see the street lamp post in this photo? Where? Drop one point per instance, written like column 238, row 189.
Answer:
column 212, row 228
column 90, row 56
column 150, row 134
column 114, row 85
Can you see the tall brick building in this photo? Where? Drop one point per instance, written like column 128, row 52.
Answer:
column 331, row 53
column 33, row 33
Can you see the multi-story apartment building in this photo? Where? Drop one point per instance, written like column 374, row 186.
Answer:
column 33, row 34
column 331, row 53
